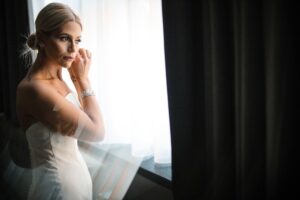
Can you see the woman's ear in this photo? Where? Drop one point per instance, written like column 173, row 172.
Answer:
column 41, row 37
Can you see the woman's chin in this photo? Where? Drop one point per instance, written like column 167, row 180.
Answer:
column 67, row 65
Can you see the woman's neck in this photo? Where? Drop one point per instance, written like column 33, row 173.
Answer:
column 45, row 70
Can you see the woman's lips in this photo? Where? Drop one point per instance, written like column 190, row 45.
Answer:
column 68, row 58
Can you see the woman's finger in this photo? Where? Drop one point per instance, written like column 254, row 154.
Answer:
column 85, row 54
column 89, row 54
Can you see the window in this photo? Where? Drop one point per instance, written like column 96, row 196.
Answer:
column 127, row 72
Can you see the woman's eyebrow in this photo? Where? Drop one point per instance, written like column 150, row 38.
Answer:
column 69, row 35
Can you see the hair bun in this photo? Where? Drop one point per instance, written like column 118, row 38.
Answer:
column 32, row 41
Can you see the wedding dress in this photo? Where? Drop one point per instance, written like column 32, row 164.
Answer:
column 59, row 170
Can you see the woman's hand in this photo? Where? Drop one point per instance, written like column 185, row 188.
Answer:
column 80, row 68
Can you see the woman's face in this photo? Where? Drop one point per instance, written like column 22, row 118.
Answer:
column 62, row 46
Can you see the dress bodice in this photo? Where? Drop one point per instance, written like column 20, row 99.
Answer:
column 59, row 171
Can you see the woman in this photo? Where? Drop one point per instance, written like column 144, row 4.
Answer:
column 49, row 112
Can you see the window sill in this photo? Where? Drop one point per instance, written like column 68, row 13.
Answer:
column 148, row 169
column 157, row 174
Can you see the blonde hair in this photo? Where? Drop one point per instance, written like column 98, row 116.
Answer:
column 50, row 19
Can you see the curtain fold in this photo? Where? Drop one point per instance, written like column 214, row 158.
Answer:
column 231, row 89
column 250, row 98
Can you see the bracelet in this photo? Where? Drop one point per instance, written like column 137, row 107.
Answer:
column 86, row 93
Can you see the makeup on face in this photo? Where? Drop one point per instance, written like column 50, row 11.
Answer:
column 64, row 44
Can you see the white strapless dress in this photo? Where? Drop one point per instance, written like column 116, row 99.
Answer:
column 59, row 170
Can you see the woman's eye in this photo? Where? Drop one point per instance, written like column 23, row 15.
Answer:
column 78, row 41
column 63, row 38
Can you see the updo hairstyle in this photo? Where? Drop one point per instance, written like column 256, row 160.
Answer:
column 50, row 19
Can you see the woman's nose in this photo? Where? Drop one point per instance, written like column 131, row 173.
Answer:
column 71, row 47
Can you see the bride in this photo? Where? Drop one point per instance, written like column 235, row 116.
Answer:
column 54, row 117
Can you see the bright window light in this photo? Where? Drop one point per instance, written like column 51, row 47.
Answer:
column 127, row 72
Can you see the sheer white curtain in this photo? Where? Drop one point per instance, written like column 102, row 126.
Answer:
column 128, row 72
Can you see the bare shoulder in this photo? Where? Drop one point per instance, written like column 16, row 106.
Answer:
column 25, row 90
column 35, row 87
column 29, row 97
column 30, row 92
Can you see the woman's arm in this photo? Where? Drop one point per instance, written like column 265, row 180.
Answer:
column 60, row 114
column 79, row 75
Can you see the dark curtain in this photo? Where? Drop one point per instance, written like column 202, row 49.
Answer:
column 231, row 76
column 14, row 26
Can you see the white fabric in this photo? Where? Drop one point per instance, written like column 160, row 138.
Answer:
column 59, row 170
